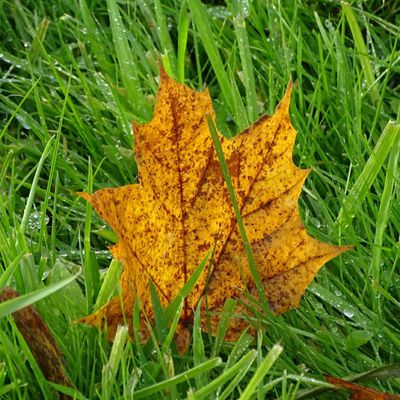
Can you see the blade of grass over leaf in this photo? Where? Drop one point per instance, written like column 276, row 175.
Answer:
column 232, row 195
column 27, row 299
column 38, row 342
column 9, row 271
column 198, row 348
column 158, row 310
column 136, row 327
column 186, row 289
column 110, row 283
column 173, row 328
column 226, row 315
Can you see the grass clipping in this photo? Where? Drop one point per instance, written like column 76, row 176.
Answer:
column 181, row 209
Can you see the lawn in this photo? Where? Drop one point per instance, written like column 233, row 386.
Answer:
column 74, row 74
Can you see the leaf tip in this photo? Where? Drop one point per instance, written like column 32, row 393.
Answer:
column 289, row 88
column 135, row 126
column 285, row 101
column 88, row 197
column 343, row 249
column 164, row 77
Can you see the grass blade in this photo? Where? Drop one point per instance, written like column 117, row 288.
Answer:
column 392, row 176
column 362, row 51
column 168, row 51
column 185, row 291
column 232, row 195
column 110, row 369
column 261, row 371
column 239, row 23
column 109, row 285
column 125, row 59
column 202, row 22
column 32, row 192
column 183, row 29
column 360, row 189
column 8, row 273
column 189, row 374
column 239, row 369
column 27, row 299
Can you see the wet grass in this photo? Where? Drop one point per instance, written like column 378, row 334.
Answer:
column 73, row 76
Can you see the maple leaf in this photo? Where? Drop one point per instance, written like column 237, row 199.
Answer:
column 359, row 392
column 167, row 223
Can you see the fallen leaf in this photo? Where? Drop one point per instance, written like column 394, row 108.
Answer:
column 167, row 223
column 40, row 341
column 359, row 392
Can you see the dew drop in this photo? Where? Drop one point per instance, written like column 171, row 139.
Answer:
column 35, row 221
column 348, row 312
column 337, row 292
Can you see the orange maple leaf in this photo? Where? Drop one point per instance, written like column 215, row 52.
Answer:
column 167, row 223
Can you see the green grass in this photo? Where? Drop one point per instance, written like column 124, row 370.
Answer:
column 73, row 76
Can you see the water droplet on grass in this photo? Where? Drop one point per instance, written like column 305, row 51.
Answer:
column 348, row 312
column 337, row 292
column 35, row 221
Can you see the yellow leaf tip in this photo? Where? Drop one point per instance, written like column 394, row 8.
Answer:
column 135, row 126
column 338, row 250
column 92, row 320
column 345, row 248
column 289, row 88
column 85, row 196
column 284, row 104
column 164, row 77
